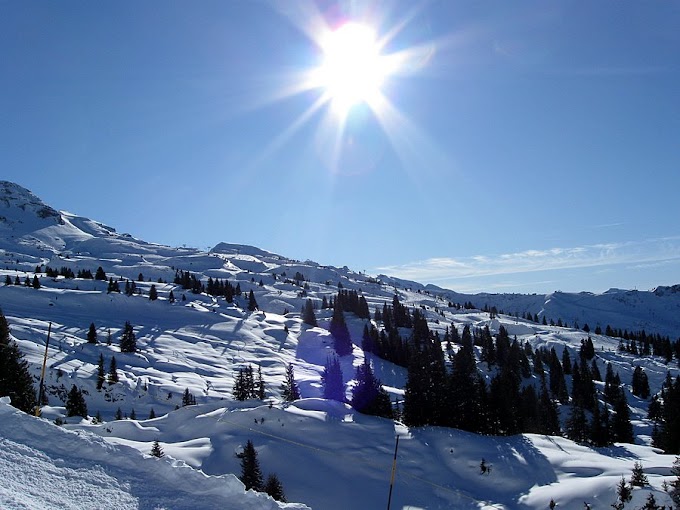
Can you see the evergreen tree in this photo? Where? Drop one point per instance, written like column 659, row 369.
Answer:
column 368, row 396
column 674, row 485
column 118, row 415
column 640, row 383
column 338, row 328
column 650, row 504
column 274, row 488
column 152, row 414
column 101, row 374
column 15, row 380
column 638, row 478
column 113, row 371
column 171, row 297
column 75, row 403
column 36, row 282
column 92, row 334
column 128, row 340
column 259, row 387
column 577, row 424
column 156, row 450
column 331, row 378
column 624, row 494
column 244, row 385
column 153, row 293
column 251, row 475
column 308, row 316
column 289, row 389
column 252, row 304
column 100, row 274
column 188, row 398
column 622, row 429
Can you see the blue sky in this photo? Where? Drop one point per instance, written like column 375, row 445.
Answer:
column 528, row 146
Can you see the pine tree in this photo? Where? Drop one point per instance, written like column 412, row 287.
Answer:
column 113, row 371
column 331, row 378
column 92, row 334
column 577, row 424
column 274, row 488
column 156, row 450
column 75, row 403
column 640, row 383
column 36, row 282
column 290, row 390
column 368, row 396
column 259, row 386
column 153, row 293
column 101, row 374
column 624, row 494
column 15, row 380
column 674, row 485
column 638, row 478
column 152, row 414
column 650, row 504
column 251, row 475
column 252, row 304
column 171, row 297
column 338, row 329
column 188, row 398
column 100, row 274
column 118, row 415
column 128, row 340
column 308, row 316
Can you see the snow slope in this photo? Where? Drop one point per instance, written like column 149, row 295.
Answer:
column 326, row 455
column 45, row 466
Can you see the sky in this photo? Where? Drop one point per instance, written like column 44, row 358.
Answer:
column 523, row 147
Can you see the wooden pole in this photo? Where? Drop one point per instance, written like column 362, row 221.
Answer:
column 394, row 470
column 42, row 373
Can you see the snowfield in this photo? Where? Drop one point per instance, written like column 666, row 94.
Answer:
column 327, row 456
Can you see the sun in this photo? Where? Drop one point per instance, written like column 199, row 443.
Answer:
column 353, row 69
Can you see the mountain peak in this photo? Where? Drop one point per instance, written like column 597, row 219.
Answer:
column 22, row 211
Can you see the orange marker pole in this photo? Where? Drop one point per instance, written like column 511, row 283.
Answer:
column 394, row 470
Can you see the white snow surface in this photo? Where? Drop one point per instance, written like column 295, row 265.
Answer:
column 46, row 466
column 326, row 455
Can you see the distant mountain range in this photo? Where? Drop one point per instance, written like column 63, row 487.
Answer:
column 33, row 232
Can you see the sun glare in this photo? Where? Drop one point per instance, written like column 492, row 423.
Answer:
column 353, row 70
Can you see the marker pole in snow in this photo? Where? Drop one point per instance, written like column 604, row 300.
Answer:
column 42, row 373
column 394, row 470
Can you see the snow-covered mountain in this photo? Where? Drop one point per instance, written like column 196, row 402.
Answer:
column 327, row 455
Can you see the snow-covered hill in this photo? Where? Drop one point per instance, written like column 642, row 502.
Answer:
column 327, row 455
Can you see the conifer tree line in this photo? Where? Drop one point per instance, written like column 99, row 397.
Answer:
column 246, row 386
column 508, row 403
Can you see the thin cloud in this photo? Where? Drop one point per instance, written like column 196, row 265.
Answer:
column 650, row 251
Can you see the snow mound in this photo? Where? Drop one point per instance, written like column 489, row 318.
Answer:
column 45, row 466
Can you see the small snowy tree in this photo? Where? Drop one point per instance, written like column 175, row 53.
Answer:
column 128, row 340
column 331, row 378
column 156, row 450
column 75, row 403
column 638, row 477
column 92, row 334
column 290, row 390
column 274, row 488
column 308, row 316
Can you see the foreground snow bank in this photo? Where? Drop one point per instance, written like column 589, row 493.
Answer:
column 45, row 466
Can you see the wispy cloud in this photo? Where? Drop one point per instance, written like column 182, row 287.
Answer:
column 433, row 270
